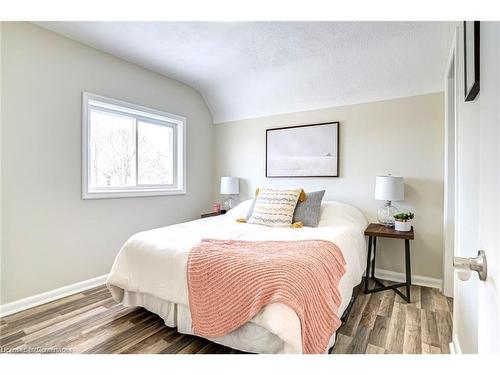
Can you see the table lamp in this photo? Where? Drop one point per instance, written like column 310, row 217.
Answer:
column 229, row 186
column 388, row 188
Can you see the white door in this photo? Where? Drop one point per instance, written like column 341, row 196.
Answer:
column 476, row 320
column 489, row 188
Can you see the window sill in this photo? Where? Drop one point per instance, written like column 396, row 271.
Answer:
column 131, row 193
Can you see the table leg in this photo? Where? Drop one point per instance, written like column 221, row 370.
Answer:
column 408, row 269
column 367, row 273
column 374, row 255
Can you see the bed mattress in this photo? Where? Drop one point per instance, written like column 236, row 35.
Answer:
column 150, row 271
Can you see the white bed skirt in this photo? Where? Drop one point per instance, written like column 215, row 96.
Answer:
column 250, row 337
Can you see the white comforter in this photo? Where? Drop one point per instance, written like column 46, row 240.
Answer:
column 154, row 262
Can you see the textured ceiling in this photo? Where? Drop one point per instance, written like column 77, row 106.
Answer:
column 252, row 69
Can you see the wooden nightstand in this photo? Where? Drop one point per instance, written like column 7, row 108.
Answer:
column 210, row 214
column 377, row 230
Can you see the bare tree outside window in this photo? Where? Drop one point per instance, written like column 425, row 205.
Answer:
column 155, row 154
column 112, row 150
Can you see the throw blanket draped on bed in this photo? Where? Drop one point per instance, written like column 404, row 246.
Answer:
column 231, row 281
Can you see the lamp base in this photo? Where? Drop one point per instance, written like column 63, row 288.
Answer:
column 386, row 214
column 229, row 203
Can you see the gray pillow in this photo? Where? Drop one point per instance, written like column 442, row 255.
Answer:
column 308, row 211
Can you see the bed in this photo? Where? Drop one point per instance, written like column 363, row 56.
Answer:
column 150, row 271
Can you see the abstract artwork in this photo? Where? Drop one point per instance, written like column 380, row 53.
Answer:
column 303, row 151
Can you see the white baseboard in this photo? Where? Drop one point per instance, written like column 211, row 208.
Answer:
column 415, row 279
column 455, row 346
column 51, row 295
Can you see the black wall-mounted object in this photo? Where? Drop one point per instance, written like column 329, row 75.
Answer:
column 471, row 59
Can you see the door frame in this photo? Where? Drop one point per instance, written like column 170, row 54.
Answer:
column 450, row 218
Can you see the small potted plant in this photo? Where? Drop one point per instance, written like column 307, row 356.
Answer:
column 402, row 221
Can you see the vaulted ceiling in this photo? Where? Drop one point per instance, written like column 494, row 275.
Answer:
column 253, row 69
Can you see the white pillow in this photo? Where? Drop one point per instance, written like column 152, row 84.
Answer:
column 241, row 210
column 275, row 207
column 333, row 213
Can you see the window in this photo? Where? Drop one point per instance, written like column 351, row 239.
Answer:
column 131, row 151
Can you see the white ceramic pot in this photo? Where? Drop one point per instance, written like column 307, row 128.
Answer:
column 402, row 226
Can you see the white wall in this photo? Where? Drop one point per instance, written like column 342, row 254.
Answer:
column 51, row 237
column 403, row 137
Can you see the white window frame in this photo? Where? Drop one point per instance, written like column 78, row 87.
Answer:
column 178, row 123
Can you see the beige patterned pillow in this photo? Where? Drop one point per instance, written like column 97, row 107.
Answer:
column 275, row 208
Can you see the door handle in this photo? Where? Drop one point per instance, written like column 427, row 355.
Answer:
column 465, row 265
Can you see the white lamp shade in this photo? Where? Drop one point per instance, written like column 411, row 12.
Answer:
column 229, row 185
column 389, row 188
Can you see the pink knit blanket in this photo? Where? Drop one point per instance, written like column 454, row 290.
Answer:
column 230, row 281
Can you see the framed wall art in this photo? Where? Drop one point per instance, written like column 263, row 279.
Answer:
column 471, row 59
column 303, row 151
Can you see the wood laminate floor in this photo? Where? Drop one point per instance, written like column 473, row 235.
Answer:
column 91, row 322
